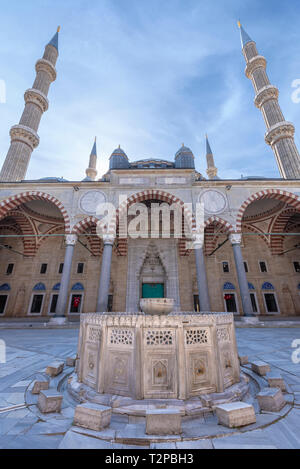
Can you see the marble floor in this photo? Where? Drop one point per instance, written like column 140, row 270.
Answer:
column 30, row 351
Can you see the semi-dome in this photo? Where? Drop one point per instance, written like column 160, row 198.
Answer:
column 118, row 159
column 184, row 158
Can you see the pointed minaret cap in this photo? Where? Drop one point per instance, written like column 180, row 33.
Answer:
column 245, row 38
column 208, row 149
column 91, row 171
column 54, row 40
column 211, row 171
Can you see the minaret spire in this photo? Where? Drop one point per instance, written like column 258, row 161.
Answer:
column 91, row 171
column 212, row 171
column 24, row 137
column 280, row 133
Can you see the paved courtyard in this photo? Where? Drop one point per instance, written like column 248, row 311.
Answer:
column 30, row 351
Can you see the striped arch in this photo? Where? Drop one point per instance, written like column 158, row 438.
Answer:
column 88, row 227
column 25, row 228
column 279, row 226
column 287, row 197
column 13, row 202
column 214, row 227
column 154, row 194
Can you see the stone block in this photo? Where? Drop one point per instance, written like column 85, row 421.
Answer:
column 71, row 361
column 243, row 359
column 235, row 414
column 92, row 416
column 163, row 422
column 50, row 401
column 275, row 380
column 260, row 368
column 55, row 369
column 271, row 399
column 40, row 385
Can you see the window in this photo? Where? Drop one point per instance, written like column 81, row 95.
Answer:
column 225, row 265
column 76, row 300
column 36, row 304
column 53, row 303
column 263, row 266
column 230, row 302
column 3, row 301
column 61, row 268
column 110, row 303
column 246, row 267
column 196, row 303
column 44, row 268
column 253, row 302
column 80, row 268
column 297, row 266
column 10, row 269
column 271, row 303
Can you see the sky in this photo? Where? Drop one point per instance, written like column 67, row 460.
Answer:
column 148, row 75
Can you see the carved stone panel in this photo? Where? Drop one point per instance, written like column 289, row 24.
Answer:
column 119, row 373
column 160, row 376
column 200, row 373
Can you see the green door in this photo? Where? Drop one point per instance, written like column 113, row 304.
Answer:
column 153, row 290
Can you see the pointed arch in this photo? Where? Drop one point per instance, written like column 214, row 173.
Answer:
column 15, row 201
column 278, row 194
column 215, row 227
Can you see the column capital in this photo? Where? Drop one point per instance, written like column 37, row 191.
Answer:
column 71, row 239
column 108, row 239
column 235, row 238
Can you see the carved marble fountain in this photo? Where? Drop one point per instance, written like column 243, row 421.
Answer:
column 156, row 356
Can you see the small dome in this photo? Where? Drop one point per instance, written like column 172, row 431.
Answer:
column 184, row 158
column 118, row 159
column 52, row 179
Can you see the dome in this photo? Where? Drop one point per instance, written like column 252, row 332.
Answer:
column 118, row 159
column 52, row 179
column 184, row 158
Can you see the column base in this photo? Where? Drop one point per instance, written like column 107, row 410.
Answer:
column 59, row 320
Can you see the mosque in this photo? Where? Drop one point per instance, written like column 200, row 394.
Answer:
column 54, row 265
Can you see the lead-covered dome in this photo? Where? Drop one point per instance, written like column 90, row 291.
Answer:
column 119, row 160
column 184, row 158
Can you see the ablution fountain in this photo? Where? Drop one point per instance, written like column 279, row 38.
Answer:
column 133, row 362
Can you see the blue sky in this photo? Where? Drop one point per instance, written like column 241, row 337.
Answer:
column 149, row 75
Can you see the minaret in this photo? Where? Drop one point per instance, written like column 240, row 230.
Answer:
column 280, row 133
column 91, row 171
column 211, row 171
column 24, row 137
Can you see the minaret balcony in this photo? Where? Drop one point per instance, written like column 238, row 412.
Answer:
column 265, row 94
column 43, row 65
column 38, row 98
column 257, row 62
column 21, row 133
column 279, row 131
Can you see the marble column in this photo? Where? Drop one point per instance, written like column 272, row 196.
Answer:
column 235, row 240
column 104, row 283
column 65, row 278
column 202, row 279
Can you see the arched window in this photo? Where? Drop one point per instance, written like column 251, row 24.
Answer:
column 228, row 286
column 270, row 298
column 251, row 286
column 5, row 287
column 267, row 286
column 78, row 287
column 39, row 287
